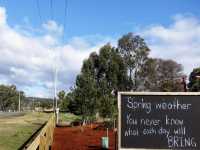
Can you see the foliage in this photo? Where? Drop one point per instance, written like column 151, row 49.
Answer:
column 30, row 103
column 9, row 97
column 63, row 101
column 126, row 67
column 162, row 75
column 135, row 53
column 86, row 90
column 100, row 75
column 68, row 117
column 194, row 80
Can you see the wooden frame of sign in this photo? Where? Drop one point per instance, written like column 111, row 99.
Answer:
column 187, row 107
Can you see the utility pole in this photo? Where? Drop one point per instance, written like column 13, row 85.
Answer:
column 19, row 109
column 55, row 87
column 55, row 94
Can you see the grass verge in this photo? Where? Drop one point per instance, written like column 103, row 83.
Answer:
column 14, row 131
column 68, row 117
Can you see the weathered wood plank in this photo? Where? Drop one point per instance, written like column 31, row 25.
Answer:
column 45, row 137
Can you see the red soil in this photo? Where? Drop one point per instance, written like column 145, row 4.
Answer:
column 72, row 138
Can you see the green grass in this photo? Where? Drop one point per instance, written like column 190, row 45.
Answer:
column 68, row 117
column 15, row 131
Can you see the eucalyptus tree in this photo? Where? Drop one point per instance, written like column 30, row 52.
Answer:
column 162, row 75
column 135, row 52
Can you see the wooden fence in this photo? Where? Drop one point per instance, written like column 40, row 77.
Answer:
column 44, row 139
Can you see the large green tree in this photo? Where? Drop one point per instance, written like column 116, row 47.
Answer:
column 162, row 75
column 124, row 68
column 86, row 90
column 100, row 75
column 135, row 54
column 194, row 80
column 9, row 97
column 112, row 76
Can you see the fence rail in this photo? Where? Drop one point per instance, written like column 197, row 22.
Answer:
column 44, row 139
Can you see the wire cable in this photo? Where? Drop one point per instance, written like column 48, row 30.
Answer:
column 38, row 8
column 65, row 18
column 51, row 9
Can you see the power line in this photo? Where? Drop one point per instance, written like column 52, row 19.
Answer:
column 55, row 103
column 51, row 9
column 56, row 70
column 38, row 8
column 65, row 18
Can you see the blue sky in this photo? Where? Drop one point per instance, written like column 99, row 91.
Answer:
column 105, row 17
column 171, row 28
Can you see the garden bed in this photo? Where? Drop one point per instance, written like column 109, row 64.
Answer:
column 82, row 138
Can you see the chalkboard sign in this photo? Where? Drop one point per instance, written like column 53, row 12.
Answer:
column 159, row 120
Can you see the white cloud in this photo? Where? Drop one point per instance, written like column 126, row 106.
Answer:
column 179, row 41
column 27, row 58
column 28, row 54
column 52, row 27
column 2, row 16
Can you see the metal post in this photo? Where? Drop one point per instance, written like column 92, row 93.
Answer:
column 55, row 86
column 55, row 95
column 19, row 109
